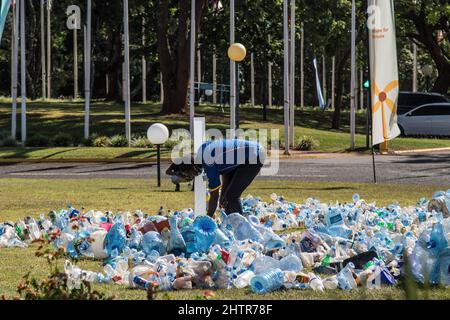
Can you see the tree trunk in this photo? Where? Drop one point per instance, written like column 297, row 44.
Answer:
column 174, row 55
column 114, row 68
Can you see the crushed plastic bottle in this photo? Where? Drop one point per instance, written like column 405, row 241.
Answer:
column 268, row 281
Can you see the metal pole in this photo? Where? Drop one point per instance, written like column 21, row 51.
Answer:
column 252, row 80
column 361, row 89
column 232, row 74
column 302, row 73
column 214, row 77
column 23, row 79
column 353, row 79
column 127, row 73
column 367, row 122
column 144, row 66
column 333, row 81
column 286, row 77
column 270, row 83
column 237, row 95
column 192, row 71
column 292, row 79
column 15, row 60
column 43, row 67
column 75, row 63
column 324, row 79
column 49, row 52
column 87, row 70
column 414, row 68
column 158, row 163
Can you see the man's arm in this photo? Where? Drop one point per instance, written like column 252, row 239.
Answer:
column 212, row 204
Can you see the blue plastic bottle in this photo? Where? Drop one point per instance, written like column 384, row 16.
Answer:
column 189, row 238
column 291, row 263
column 267, row 281
column 153, row 241
column 116, row 238
column 205, row 232
column 176, row 244
column 135, row 240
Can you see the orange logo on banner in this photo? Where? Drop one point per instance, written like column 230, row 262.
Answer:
column 383, row 100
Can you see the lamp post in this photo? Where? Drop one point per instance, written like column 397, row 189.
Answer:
column 158, row 134
column 237, row 53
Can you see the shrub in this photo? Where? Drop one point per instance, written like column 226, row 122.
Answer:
column 101, row 141
column 62, row 140
column 38, row 140
column 117, row 141
column 57, row 285
column 307, row 143
column 8, row 142
column 141, row 142
column 171, row 143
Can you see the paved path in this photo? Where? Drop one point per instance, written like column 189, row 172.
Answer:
column 432, row 168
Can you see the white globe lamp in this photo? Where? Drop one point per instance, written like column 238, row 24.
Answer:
column 158, row 134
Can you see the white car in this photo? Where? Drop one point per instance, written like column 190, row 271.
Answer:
column 429, row 119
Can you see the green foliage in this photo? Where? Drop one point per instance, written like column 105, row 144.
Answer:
column 55, row 286
column 62, row 140
column 307, row 143
column 101, row 141
column 141, row 142
column 38, row 140
column 8, row 142
column 117, row 141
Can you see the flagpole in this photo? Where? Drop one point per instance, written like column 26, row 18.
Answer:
column 192, row 72
column 144, row 66
column 15, row 58
column 127, row 73
column 353, row 78
column 302, row 74
column 43, row 67
column 232, row 74
column 49, row 51
column 292, row 80
column 286, row 77
column 87, row 70
column 369, row 100
column 23, row 84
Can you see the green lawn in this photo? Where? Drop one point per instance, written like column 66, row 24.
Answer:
column 22, row 197
column 51, row 118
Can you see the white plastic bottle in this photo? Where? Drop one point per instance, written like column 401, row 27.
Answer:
column 243, row 280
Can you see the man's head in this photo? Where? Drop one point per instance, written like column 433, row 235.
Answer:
column 185, row 168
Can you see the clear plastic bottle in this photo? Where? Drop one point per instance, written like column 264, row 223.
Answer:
column 268, row 281
column 315, row 282
column 243, row 280
column 345, row 277
column 291, row 263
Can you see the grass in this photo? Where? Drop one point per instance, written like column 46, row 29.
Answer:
column 22, row 197
column 107, row 118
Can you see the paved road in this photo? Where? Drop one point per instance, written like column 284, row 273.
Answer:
column 410, row 169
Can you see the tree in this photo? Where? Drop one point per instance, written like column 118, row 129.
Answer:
column 429, row 27
column 173, row 48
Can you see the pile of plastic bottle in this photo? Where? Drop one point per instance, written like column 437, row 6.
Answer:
column 323, row 246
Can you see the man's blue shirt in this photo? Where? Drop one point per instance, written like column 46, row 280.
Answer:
column 222, row 156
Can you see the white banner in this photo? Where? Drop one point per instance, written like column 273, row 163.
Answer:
column 383, row 70
column 319, row 86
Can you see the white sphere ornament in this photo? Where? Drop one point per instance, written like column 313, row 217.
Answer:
column 209, row 92
column 158, row 133
column 237, row 52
